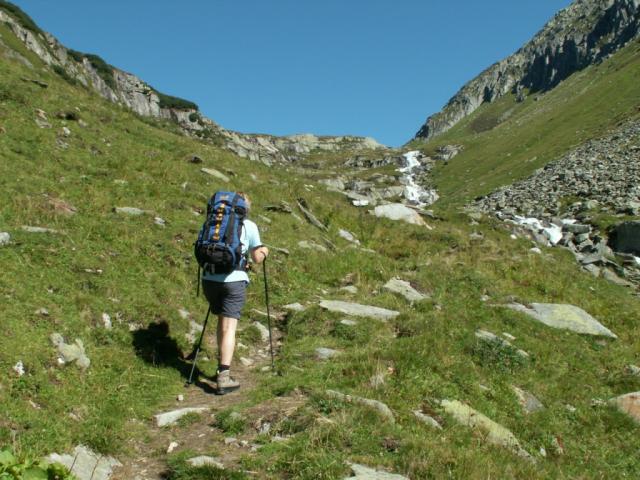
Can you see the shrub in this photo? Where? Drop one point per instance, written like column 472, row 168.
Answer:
column 76, row 55
column 194, row 117
column 167, row 101
column 23, row 19
column 63, row 73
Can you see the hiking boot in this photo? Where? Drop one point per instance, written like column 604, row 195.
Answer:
column 225, row 383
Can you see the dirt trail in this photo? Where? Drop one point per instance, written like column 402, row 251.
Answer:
column 147, row 459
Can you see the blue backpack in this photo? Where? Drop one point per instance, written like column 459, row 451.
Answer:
column 218, row 248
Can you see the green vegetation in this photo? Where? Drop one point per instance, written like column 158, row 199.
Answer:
column 141, row 274
column 179, row 469
column 167, row 101
column 25, row 469
column 63, row 73
column 506, row 141
column 16, row 12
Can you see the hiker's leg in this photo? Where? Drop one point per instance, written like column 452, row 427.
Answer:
column 226, row 338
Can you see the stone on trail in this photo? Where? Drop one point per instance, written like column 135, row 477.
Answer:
column 495, row 433
column 5, row 239
column 169, row 418
column 205, row 461
column 404, row 288
column 527, row 400
column 360, row 472
column 566, row 317
column 380, row 407
column 629, row 404
column 86, row 464
column 427, row 419
column 133, row 211
column 358, row 310
column 399, row 211
column 215, row 173
column 323, row 353
column 264, row 331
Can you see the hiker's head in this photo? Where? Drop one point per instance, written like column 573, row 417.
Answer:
column 247, row 200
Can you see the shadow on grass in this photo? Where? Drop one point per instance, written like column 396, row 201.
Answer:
column 154, row 345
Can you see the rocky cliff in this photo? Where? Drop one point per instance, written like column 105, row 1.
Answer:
column 582, row 34
column 126, row 89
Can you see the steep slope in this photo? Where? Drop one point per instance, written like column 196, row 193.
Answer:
column 583, row 34
column 68, row 157
column 128, row 90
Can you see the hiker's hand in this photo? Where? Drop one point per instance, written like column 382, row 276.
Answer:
column 259, row 254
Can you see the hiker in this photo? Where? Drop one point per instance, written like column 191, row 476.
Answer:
column 226, row 290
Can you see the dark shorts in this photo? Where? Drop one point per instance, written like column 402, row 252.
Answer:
column 226, row 298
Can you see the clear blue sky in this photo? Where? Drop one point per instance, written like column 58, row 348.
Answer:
column 329, row 67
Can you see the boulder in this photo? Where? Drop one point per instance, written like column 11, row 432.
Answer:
column 629, row 404
column 566, row 317
column 69, row 353
column 625, row 237
column 323, row 353
column 169, row 418
column 493, row 339
column 308, row 245
column 427, row 419
column 495, row 433
column 348, row 236
column 30, row 229
column 133, row 211
column 358, row 310
column 205, row 461
column 264, row 331
column 398, row 211
column 294, row 307
column 404, row 289
column 86, row 464
column 360, row 472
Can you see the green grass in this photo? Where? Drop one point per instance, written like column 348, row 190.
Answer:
column 429, row 352
column 506, row 141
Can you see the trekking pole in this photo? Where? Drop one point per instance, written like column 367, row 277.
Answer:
column 195, row 360
column 266, row 296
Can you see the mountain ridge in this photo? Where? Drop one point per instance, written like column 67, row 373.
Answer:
column 582, row 34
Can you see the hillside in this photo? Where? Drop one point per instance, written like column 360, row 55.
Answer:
column 123, row 284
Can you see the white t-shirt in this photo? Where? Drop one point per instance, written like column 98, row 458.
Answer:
column 249, row 239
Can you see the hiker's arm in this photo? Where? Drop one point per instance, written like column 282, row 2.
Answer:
column 258, row 254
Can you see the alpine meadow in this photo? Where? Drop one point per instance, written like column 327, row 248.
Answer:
column 465, row 306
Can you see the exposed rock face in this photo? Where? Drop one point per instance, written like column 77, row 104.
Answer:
column 625, row 237
column 578, row 36
column 132, row 92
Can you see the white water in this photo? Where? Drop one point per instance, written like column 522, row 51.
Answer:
column 552, row 232
column 413, row 192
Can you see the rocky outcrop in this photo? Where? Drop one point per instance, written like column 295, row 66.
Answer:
column 580, row 35
column 128, row 90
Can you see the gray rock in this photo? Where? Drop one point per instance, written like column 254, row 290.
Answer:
column 629, row 404
column 30, row 229
column 204, row 461
column 380, row 407
column 349, row 289
column 5, row 239
column 215, row 173
column 308, row 245
column 632, row 370
column 427, row 419
column 360, row 472
column 294, row 307
column 323, row 353
column 358, row 310
column 348, row 236
column 69, row 353
column 86, row 464
column 566, row 317
column 169, row 418
column 527, row 400
column 494, row 433
column 133, row 211
column 398, row 211
column 302, row 205
column 493, row 339
column 264, row 331
column 625, row 237
column 404, row 288
column 348, row 323
column 576, row 228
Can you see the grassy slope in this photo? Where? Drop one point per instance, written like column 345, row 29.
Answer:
column 148, row 275
column 506, row 141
